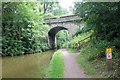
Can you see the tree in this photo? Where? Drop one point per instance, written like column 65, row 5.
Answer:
column 23, row 29
column 62, row 39
column 52, row 8
column 102, row 18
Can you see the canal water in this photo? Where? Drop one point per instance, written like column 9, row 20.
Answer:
column 26, row 66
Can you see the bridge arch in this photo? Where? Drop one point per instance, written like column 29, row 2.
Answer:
column 71, row 23
column 51, row 35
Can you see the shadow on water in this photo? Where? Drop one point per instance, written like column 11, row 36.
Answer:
column 26, row 66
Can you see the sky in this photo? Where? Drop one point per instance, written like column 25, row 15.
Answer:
column 66, row 3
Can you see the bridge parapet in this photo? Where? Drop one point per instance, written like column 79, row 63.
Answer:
column 61, row 19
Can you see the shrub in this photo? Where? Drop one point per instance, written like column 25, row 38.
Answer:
column 97, row 49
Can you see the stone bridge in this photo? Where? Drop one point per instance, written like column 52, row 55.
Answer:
column 71, row 23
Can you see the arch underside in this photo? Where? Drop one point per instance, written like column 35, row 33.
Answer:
column 51, row 35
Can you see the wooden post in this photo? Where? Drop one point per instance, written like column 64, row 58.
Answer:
column 109, row 65
column 109, row 59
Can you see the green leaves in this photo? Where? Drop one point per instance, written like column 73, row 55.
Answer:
column 102, row 19
column 23, row 29
column 62, row 39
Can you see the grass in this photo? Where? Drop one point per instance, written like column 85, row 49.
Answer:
column 86, row 66
column 97, row 68
column 71, row 50
column 56, row 66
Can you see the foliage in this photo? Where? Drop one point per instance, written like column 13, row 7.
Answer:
column 88, row 61
column 80, row 39
column 62, row 39
column 71, row 50
column 52, row 7
column 102, row 20
column 56, row 66
column 47, row 7
column 23, row 29
column 94, row 52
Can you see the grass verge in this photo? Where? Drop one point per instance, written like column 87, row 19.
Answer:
column 71, row 50
column 56, row 66
column 86, row 66
column 98, row 68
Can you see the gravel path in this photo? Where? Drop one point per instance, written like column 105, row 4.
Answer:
column 72, row 68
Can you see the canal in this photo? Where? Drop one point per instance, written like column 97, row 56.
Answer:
column 26, row 66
